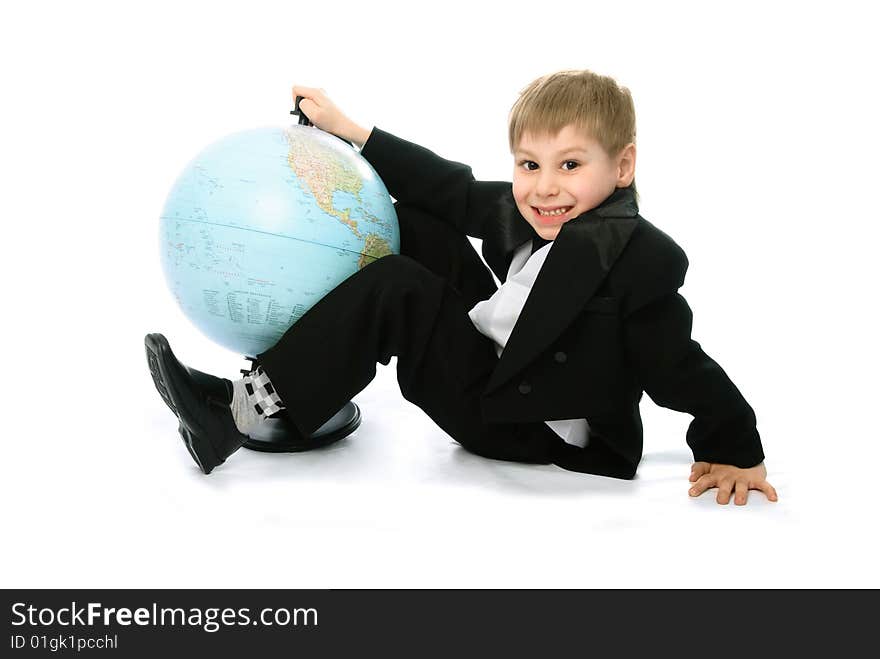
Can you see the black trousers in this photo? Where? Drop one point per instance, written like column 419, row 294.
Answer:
column 413, row 306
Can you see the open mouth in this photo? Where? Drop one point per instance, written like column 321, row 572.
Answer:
column 551, row 215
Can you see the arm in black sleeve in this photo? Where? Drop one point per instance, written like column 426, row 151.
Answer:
column 446, row 189
column 675, row 372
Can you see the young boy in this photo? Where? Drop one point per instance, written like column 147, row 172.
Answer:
column 548, row 368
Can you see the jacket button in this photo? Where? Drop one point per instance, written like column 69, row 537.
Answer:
column 525, row 388
column 560, row 357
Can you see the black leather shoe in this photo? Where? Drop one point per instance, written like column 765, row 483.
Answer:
column 201, row 403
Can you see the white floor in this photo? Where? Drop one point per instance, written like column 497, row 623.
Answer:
column 116, row 501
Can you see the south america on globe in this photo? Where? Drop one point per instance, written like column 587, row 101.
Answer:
column 264, row 223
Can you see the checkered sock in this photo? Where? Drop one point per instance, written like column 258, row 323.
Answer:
column 253, row 399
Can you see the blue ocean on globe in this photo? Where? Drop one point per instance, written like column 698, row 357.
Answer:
column 264, row 223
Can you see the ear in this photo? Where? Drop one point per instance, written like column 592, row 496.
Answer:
column 626, row 165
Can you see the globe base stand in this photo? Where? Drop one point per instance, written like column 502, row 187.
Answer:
column 279, row 435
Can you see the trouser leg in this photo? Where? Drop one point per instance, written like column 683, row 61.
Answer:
column 399, row 307
column 445, row 252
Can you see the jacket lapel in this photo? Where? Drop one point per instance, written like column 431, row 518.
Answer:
column 579, row 260
column 508, row 231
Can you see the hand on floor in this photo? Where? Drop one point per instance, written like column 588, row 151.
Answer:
column 729, row 479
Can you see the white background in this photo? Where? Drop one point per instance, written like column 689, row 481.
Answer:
column 757, row 144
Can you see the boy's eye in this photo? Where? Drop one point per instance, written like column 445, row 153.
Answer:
column 532, row 162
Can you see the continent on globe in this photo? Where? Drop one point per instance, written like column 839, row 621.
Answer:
column 375, row 247
column 264, row 223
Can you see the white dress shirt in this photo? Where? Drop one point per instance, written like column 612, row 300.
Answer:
column 496, row 317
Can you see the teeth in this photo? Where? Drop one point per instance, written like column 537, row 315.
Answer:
column 558, row 211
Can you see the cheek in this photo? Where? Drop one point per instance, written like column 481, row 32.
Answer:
column 587, row 191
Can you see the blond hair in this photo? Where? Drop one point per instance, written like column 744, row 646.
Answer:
column 593, row 103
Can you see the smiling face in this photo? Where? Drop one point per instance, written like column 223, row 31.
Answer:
column 570, row 171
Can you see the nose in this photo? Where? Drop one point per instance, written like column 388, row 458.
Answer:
column 546, row 185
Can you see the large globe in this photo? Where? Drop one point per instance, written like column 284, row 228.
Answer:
column 263, row 223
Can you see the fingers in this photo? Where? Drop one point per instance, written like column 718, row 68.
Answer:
column 308, row 92
column 703, row 483
column 739, row 488
column 724, row 490
column 742, row 493
column 698, row 469
column 767, row 489
column 320, row 110
column 313, row 98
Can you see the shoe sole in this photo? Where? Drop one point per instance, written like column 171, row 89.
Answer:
column 274, row 437
column 158, row 355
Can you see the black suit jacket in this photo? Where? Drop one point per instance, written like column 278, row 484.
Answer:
column 603, row 322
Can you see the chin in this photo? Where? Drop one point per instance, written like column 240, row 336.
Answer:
column 548, row 233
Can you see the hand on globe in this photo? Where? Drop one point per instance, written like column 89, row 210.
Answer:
column 324, row 114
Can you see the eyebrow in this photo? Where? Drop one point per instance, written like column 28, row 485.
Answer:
column 561, row 153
